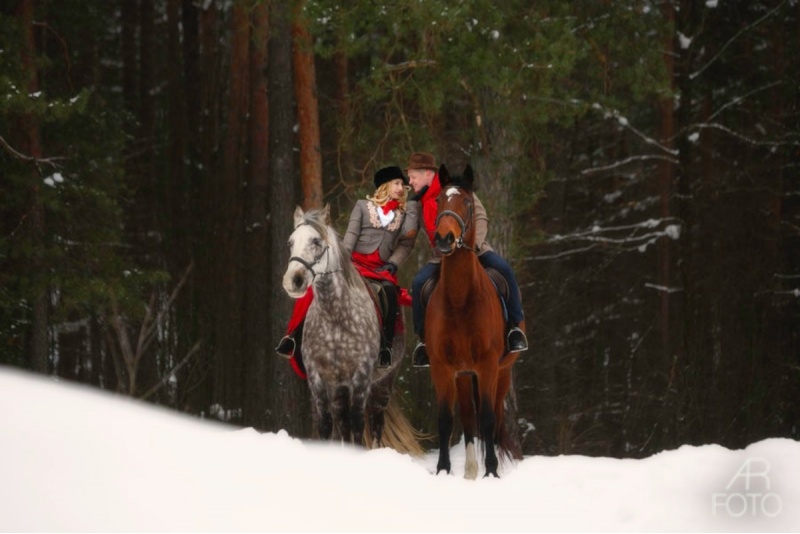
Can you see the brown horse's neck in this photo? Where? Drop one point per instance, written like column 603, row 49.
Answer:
column 463, row 267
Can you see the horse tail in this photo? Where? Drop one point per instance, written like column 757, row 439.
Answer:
column 508, row 446
column 398, row 432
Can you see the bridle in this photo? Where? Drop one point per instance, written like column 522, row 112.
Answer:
column 463, row 225
column 317, row 259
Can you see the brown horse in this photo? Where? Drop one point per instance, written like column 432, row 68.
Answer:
column 465, row 334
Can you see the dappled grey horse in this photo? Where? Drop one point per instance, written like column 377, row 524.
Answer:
column 341, row 336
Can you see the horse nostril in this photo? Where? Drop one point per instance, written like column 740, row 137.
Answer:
column 446, row 242
column 297, row 280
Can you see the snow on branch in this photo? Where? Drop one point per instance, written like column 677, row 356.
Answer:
column 631, row 239
column 710, row 62
column 739, row 99
column 625, row 123
column 626, row 161
column 742, row 137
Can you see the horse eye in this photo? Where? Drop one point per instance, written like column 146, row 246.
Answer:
column 289, row 244
column 317, row 242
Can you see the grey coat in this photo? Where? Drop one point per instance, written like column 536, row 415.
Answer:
column 394, row 242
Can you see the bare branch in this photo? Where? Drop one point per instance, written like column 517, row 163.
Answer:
column 741, row 137
column 29, row 159
column 151, row 330
column 626, row 161
column 145, row 328
column 699, row 71
column 406, row 65
column 161, row 383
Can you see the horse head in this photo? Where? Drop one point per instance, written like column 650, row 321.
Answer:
column 309, row 250
column 454, row 226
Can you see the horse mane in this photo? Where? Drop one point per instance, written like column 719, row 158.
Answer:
column 316, row 218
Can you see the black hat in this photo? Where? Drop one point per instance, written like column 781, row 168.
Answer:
column 387, row 174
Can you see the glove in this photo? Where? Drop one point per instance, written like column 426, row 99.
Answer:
column 388, row 266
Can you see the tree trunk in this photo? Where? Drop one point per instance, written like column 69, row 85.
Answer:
column 31, row 145
column 130, row 19
column 305, row 90
column 229, row 367
column 202, row 75
column 289, row 403
column 177, row 189
column 258, row 356
column 147, row 46
column 664, row 186
column 343, row 112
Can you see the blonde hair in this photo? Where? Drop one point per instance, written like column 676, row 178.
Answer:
column 381, row 196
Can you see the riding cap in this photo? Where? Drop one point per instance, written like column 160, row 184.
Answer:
column 387, row 174
column 422, row 160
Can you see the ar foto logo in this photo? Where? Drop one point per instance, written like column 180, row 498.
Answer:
column 748, row 492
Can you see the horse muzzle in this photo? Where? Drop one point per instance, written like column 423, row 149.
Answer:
column 447, row 244
column 296, row 282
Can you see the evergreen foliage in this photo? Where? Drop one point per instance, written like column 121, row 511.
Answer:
column 638, row 160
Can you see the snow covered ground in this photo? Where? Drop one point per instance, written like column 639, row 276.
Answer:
column 74, row 459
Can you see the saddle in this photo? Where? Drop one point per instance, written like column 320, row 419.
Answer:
column 499, row 281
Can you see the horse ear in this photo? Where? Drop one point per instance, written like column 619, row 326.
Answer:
column 298, row 216
column 444, row 175
column 469, row 177
column 326, row 215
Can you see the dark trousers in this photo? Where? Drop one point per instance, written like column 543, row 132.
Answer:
column 429, row 270
column 487, row 259
column 391, row 313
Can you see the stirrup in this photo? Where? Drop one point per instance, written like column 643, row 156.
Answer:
column 384, row 357
column 516, row 340
column 286, row 347
column 420, row 356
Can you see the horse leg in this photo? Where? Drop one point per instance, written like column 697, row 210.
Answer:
column 357, row 404
column 324, row 418
column 378, row 401
column 467, row 408
column 446, row 398
column 502, row 438
column 488, row 387
column 341, row 412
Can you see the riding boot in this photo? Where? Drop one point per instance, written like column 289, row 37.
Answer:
column 289, row 344
column 516, row 340
column 387, row 336
column 420, row 356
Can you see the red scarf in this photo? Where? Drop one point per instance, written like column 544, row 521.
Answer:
column 429, row 207
column 389, row 206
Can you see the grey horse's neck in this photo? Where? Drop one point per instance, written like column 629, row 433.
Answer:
column 334, row 291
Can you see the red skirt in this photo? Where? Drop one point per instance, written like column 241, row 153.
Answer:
column 367, row 264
